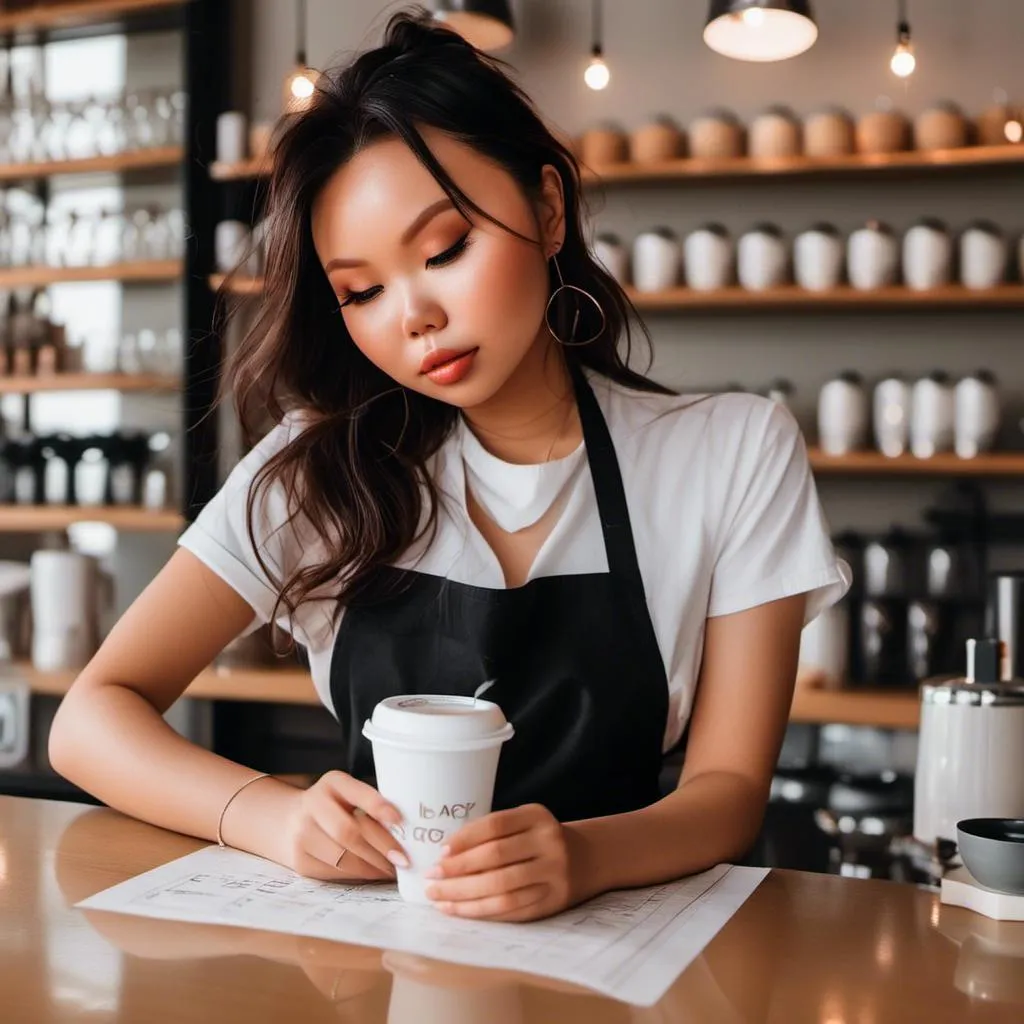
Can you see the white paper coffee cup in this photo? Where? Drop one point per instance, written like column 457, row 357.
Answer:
column 436, row 758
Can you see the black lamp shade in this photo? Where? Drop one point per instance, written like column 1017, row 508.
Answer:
column 760, row 30
column 487, row 24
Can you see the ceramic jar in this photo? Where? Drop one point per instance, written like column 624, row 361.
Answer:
column 990, row 125
column 872, row 256
column 774, row 134
column 942, row 126
column 716, row 135
column 932, row 416
column 657, row 259
column 843, row 415
column 882, row 131
column 927, row 255
column 983, row 255
column 231, row 134
column 605, row 144
column 613, row 256
column 818, row 258
column 656, row 142
column 891, row 416
column 708, row 258
column 761, row 258
column 829, row 132
column 976, row 415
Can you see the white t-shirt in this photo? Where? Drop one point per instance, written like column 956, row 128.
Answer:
column 724, row 511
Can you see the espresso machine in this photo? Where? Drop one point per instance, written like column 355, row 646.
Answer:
column 970, row 758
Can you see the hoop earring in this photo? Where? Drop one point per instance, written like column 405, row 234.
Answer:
column 564, row 288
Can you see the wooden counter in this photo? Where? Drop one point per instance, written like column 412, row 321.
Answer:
column 805, row 948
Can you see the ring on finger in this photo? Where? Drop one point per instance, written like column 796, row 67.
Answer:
column 337, row 863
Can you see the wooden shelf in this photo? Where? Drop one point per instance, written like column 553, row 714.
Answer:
column 74, row 13
column 144, row 159
column 236, row 285
column 151, row 271
column 884, row 710
column 992, row 464
column 791, row 297
column 88, row 382
column 37, row 518
column 967, row 158
column 266, row 685
column 241, row 171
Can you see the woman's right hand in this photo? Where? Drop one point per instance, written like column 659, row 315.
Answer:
column 339, row 813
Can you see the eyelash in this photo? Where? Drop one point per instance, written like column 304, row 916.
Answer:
column 440, row 260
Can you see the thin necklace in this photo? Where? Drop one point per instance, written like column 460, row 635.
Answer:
column 561, row 430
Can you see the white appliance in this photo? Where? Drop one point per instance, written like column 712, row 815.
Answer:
column 66, row 590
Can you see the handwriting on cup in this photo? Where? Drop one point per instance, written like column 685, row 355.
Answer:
column 422, row 834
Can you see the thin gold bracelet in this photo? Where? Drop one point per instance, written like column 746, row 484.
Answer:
column 220, row 821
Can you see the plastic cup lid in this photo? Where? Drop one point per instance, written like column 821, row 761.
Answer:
column 437, row 721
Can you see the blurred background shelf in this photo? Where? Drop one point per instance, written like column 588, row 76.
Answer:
column 88, row 382
column 144, row 271
column 33, row 518
column 236, row 285
column 884, row 710
column 241, row 171
column 75, row 19
column 852, row 164
column 992, row 464
column 141, row 160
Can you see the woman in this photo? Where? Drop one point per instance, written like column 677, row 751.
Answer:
column 467, row 487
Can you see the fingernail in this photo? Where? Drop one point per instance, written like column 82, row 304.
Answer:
column 445, row 850
column 434, row 872
column 398, row 858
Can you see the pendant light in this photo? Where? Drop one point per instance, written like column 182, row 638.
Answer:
column 597, row 74
column 300, row 85
column 760, row 30
column 486, row 24
column 903, row 60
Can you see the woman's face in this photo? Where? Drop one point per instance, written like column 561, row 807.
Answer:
column 443, row 305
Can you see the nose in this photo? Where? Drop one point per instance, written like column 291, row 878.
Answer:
column 422, row 315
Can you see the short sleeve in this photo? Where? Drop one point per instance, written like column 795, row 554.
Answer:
column 772, row 538
column 220, row 539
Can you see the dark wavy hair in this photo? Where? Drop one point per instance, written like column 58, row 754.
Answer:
column 359, row 472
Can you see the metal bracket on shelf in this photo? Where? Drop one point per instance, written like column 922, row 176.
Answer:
column 15, row 701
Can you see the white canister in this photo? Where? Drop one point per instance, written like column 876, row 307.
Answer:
column 891, row 416
column 927, row 255
column 231, row 241
column 818, row 258
column 976, row 414
column 232, row 137
column 64, row 592
column 872, row 256
column 761, row 258
column 657, row 259
column 983, row 255
column 708, row 258
column 843, row 415
column 931, row 416
column 613, row 256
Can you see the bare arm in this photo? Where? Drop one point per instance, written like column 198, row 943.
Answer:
column 736, row 730
column 109, row 737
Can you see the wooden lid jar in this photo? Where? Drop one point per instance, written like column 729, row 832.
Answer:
column 829, row 132
column 716, row 135
column 774, row 134
column 942, row 126
column 882, row 131
column 604, row 144
column 662, row 139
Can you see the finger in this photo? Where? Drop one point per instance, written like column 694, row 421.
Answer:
column 488, row 856
column 343, row 831
column 507, row 903
column 490, row 883
column 494, row 826
column 359, row 794
column 314, row 863
column 381, row 839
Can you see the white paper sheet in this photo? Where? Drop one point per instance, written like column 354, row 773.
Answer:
column 630, row 945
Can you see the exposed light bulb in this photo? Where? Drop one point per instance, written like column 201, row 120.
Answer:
column 753, row 17
column 299, row 87
column 597, row 74
column 903, row 60
column 1013, row 130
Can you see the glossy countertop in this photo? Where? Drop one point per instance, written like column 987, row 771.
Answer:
column 804, row 949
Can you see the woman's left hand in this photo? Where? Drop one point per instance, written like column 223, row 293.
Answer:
column 511, row 865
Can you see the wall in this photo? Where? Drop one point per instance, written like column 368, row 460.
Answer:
column 660, row 65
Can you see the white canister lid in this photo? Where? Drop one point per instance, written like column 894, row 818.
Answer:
column 437, row 722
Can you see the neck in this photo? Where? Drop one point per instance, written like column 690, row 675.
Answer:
column 532, row 418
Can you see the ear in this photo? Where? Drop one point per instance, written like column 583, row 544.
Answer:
column 551, row 211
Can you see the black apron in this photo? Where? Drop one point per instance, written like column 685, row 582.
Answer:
column 574, row 659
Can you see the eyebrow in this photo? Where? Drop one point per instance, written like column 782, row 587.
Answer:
column 421, row 221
